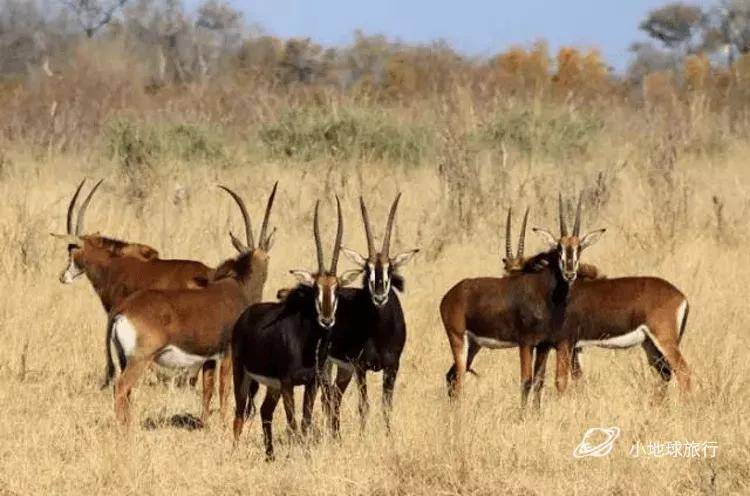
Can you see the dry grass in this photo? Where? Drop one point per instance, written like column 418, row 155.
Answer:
column 58, row 434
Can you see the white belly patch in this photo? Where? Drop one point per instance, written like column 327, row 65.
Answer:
column 173, row 357
column 342, row 364
column 626, row 340
column 269, row 382
column 491, row 343
column 124, row 332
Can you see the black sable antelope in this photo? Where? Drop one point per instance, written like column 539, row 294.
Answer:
column 371, row 332
column 613, row 313
column 284, row 344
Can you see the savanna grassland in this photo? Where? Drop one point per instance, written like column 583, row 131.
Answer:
column 667, row 176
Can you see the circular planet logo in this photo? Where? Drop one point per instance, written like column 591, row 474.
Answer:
column 597, row 442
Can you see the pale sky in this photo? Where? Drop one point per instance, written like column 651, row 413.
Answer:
column 479, row 27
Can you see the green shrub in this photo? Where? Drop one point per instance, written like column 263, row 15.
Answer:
column 128, row 144
column 313, row 132
column 133, row 144
column 557, row 134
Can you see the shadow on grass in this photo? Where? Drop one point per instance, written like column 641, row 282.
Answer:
column 184, row 421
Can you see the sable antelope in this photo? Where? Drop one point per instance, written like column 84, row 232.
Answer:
column 372, row 333
column 191, row 327
column 612, row 313
column 499, row 312
column 281, row 345
column 116, row 269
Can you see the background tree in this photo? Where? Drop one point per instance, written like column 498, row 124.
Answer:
column 675, row 25
column 92, row 15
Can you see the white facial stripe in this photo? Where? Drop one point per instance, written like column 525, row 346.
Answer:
column 72, row 272
column 334, row 300
column 371, row 267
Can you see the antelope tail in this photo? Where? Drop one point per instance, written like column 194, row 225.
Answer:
column 112, row 340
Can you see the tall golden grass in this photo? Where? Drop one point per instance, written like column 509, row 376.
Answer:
column 670, row 185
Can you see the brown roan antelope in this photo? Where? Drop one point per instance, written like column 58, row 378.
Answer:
column 116, row 269
column 612, row 313
column 191, row 327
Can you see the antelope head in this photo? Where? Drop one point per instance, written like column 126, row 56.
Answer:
column 325, row 282
column 512, row 263
column 570, row 246
column 252, row 259
column 381, row 270
column 85, row 250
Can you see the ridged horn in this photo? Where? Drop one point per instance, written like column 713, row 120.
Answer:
column 263, row 240
column 389, row 227
column 563, row 228
column 72, row 206
column 316, row 235
column 522, row 236
column 245, row 217
column 508, row 247
column 339, row 236
column 368, row 229
column 82, row 211
column 577, row 224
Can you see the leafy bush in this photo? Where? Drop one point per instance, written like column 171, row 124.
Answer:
column 132, row 144
column 554, row 134
column 311, row 132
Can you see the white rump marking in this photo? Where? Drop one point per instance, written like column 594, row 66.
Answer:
column 491, row 343
column 124, row 332
column 176, row 358
column 342, row 364
column 681, row 318
column 626, row 340
column 269, row 382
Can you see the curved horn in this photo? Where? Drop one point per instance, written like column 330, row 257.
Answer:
column 339, row 235
column 389, row 227
column 577, row 224
column 263, row 240
column 563, row 228
column 368, row 229
column 84, row 206
column 245, row 217
column 508, row 247
column 522, row 236
column 316, row 235
column 72, row 206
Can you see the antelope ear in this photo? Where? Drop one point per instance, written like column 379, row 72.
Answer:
column 148, row 253
column 349, row 276
column 590, row 238
column 143, row 252
column 304, row 277
column 403, row 258
column 354, row 257
column 226, row 269
column 238, row 245
column 269, row 240
column 546, row 236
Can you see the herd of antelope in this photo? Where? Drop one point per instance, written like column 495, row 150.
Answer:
column 185, row 314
